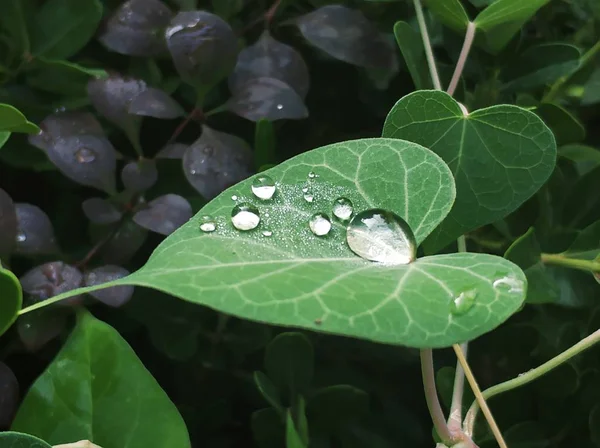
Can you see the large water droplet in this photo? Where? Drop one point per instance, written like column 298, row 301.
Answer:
column 85, row 155
column 21, row 237
column 380, row 235
column 510, row 284
column 319, row 224
column 207, row 224
column 263, row 187
column 463, row 302
column 342, row 209
column 245, row 217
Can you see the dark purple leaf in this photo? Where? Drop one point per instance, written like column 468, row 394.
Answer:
column 347, row 35
column 216, row 161
column 8, row 224
column 51, row 279
column 100, row 211
column 87, row 159
column 38, row 328
column 65, row 124
column 267, row 98
column 136, row 28
column 115, row 296
column 155, row 103
column 270, row 58
column 124, row 244
column 172, row 151
column 35, row 234
column 9, row 395
column 139, row 176
column 203, row 47
column 164, row 214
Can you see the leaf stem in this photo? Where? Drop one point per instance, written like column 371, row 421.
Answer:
column 194, row 114
column 462, row 59
column 574, row 263
column 455, row 418
column 435, row 77
column 479, row 397
column 431, row 396
column 528, row 377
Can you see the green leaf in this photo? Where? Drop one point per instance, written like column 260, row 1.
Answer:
column 503, row 19
column 289, row 361
column 11, row 298
column 4, row 136
column 264, row 143
column 500, row 156
column 101, row 392
column 268, row 428
column 10, row 439
column 451, row 13
column 526, row 253
column 62, row 27
column 594, row 422
column 587, row 243
column 411, row 46
column 580, row 154
column 61, row 77
column 292, row 438
column 294, row 278
column 333, row 408
column 12, row 120
column 566, row 128
column 14, row 21
column 268, row 390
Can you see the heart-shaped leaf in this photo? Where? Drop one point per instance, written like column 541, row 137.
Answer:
column 35, row 233
column 164, row 214
column 500, row 156
column 284, row 274
column 11, row 298
column 93, row 367
column 11, row 439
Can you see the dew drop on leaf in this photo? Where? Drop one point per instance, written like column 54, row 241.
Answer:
column 245, row 217
column 267, row 233
column 342, row 209
column 234, row 198
column 85, row 155
column 381, row 235
column 510, row 284
column 21, row 237
column 463, row 302
column 263, row 187
column 319, row 224
column 35, row 234
column 308, row 197
column 312, row 175
column 207, row 224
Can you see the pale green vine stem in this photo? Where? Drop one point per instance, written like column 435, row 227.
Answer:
column 433, row 402
column 574, row 263
column 462, row 59
column 479, row 397
column 455, row 418
column 435, row 77
column 528, row 377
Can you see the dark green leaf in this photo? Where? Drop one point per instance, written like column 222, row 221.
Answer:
column 289, row 361
column 12, row 120
column 500, row 156
column 584, row 156
column 8, row 224
column 335, row 408
column 95, row 366
column 566, row 128
column 594, row 424
column 587, row 243
column 268, row 428
column 411, row 46
column 61, row 77
column 581, row 204
column 292, row 438
column 268, row 390
column 12, row 439
column 11, row 298
column 451, row 13
column 264, row 143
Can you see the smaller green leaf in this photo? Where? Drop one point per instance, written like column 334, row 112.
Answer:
column 268, row 428
column 566, row 128
column 10, row 439
column 61, row 77
column 264, row 143
column 4, row 135
column 587, row 243
column 292, row 438
column 12, row 120
column 268, row 390
column 289, row 361
column 299, row 414
column 334, row 408
column 580, row 154
column 451, row 13
column 11, row 298
column 582, row 203
column 411, row 46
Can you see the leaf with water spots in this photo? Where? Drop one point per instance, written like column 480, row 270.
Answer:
column 282, row 273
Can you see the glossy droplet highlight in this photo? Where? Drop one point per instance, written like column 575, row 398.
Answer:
column 267, row 233
column 381, row 235
column 308, row 197
column 312, row 175
column 263, row 187
column 463, row 302
column 207, row 224
column 509, row 283
column 21, row 237
column 234, row 198
column 319, row 224
column 279, row 106
column 342, row 209
column 245, row 217
column 85, row 155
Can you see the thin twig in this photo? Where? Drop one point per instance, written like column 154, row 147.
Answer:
column 435, row 77
column 455, row 419
column 462, row 59
column 431, row 396
column 193, row 115
column 479, row 397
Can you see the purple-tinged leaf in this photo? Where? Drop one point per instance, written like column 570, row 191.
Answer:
column 267, row 98
column 270, row 58
column 347, row 35
column 123, row 245
column 51, row 279
column 8, row 224
column 115, row 296
column 136, row 28
column 139, row 176
column 86, row 159
column 155, row 103
column 65, row 124
column 100, row 211
column 164, row 214
column 39, row 327
column 9, row 395
column 35, row 234
column 172, row 151
column 216, row 161
column 203, row 46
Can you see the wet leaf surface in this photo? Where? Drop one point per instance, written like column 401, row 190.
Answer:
column 139, row 176
column 35, row 234
column 164, row 214
column 8, row 224
column 100, row 211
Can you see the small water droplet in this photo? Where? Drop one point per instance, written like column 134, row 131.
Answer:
column 245, row 217
column 207, row 224
column 85, row 155
column 510, row 284
column 267, row 233
column 308, row 197
column 21, row 237
column 305, row 190
column 312, row 175
column 342, row 209
column 263, row 187
column 234, row 198
column 463, row 302
column 380, row 235
column 279, row 106
column 319, row 224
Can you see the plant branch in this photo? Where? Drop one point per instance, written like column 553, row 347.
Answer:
column 574, row 263
column 435, row 77
column 455, row 419
column 479, row 397
column 533, row 374
column 462, row 59
column 193, row 115
column 431, row 396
